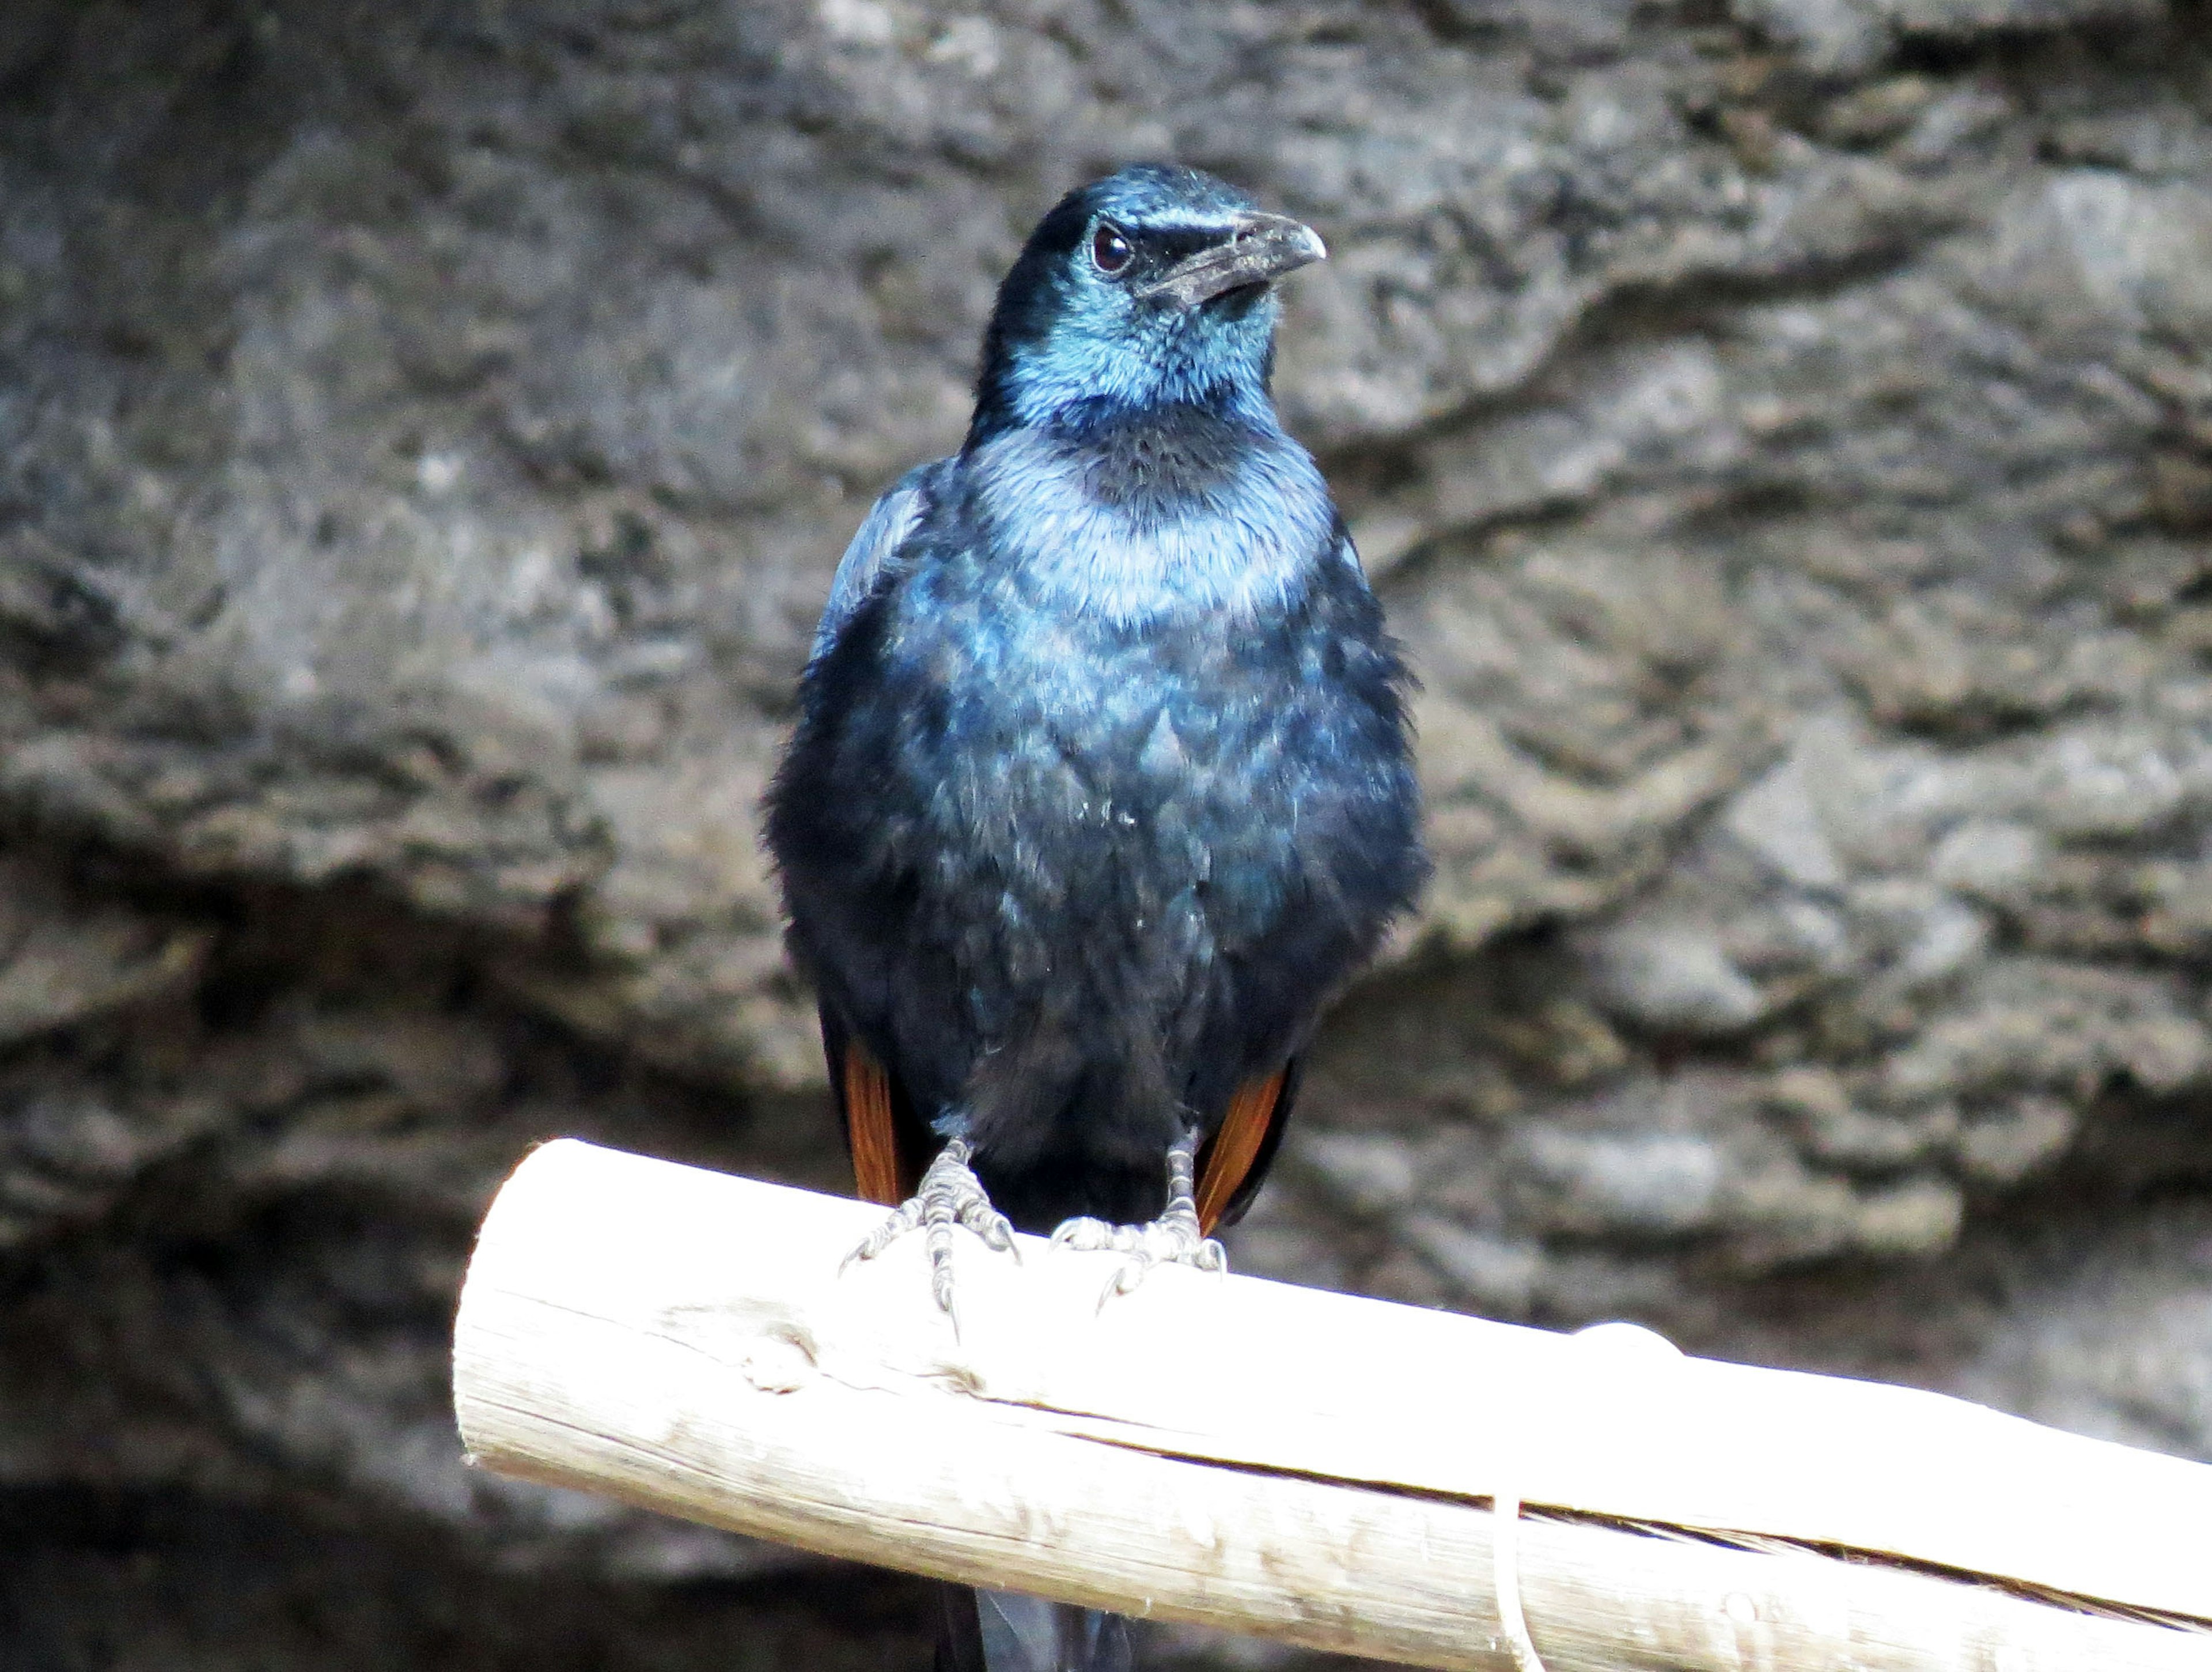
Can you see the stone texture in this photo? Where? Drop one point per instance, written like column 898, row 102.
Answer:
column 1781, row 431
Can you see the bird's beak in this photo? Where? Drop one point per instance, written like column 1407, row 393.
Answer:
column 1260, row 250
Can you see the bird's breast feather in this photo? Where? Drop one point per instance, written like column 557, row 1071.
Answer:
column 1247, row 544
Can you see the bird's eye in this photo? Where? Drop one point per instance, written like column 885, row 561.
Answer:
column 1109, row 251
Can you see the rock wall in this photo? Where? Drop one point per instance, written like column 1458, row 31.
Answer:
column 1782, row 430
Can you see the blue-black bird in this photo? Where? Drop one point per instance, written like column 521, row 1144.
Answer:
column 1101, row 783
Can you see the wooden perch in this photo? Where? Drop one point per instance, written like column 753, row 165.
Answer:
column 1295, row 1464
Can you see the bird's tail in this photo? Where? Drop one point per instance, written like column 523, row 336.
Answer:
column 1000, row 1631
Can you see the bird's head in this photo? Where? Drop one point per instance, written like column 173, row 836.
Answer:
column 1150, row 288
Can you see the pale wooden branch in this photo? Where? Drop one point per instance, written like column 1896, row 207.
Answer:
column 1296, row 1464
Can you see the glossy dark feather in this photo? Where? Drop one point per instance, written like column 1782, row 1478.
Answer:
column 1102, row 783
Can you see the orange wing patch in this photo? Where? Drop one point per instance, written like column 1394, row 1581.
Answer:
column 868, row 1127
column 1235, row 1147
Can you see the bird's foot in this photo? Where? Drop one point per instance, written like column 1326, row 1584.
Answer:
column 950, row 1195
column 1176, row 1238
column 1172, row 1239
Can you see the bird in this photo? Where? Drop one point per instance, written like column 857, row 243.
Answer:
column 1102, row 782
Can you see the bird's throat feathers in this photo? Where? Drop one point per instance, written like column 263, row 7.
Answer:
column 1078, row 368
column 1177, row 511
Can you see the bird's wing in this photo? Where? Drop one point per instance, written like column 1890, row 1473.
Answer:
column 889, row 1145
column 1237, row 1158
column 1234, row 1162
column 869, row 1129
column 874, row 544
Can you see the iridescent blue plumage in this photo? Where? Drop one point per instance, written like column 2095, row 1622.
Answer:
column 1102, row 783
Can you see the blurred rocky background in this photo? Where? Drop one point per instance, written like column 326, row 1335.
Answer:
column 1781, row 429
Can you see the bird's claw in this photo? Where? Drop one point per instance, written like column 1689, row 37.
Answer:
column 950, row 1194
column 1173, row 1239
column 1176, row 1238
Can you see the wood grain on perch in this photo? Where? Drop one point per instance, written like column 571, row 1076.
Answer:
column 1296, row 1464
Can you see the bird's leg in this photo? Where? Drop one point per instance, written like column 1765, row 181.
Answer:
column 950, row 1195
column 1174, row 1239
